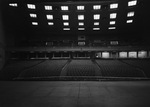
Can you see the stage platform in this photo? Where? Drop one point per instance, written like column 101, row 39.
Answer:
column 75, row 94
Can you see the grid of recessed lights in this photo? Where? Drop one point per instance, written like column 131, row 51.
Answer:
column 50, row 23
column 96, row 7
column 49, row 17
column 130, row 14
column 66, row 23
column 80, row 17
column 31, row 6
column 96, row 16
column 65, row 17
column 81, row 24
column 33, row 15
column 13, row 4
column 112, row 22
column 113, row 15
column 64, row 8
column 132, row 3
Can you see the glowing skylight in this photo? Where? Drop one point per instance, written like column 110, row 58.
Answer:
column 48, row 8
column 112, row 22
column 34, row 23
column 80, row 17
column 50, row 23
column 81, row 24
column 96, row 28
column 132, row 3
column 31, row 6
column 13, row 4
column 33, row 15
column 81, row 28
column 129, row 21
column 66, row 23
column 130, row 14
column 114, row 6
column 65, row 17
column 96, row 16
column 96, row 23
column 110, row 28
column 49, row 17
column 80, row 7
column 64, row 7
column 66, row 28
column 113, row 15
column 97, row 7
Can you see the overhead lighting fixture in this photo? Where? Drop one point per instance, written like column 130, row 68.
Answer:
column 96, row 16
column 66, row 28
column 48, row 8
column 34, row 23
column 66, row 23
column 50, row 23
column 33, row 15
column 112, row 22
column 97, row 7
column 49, row 17
column 130, row 14
column 96, row 23
column 13, row 4
column 81, row 28
column 64, row 8
column 111, row 28
column 96, row 28
column 31, row 6
column 113, row 15
column 80, row 17
column 114, row 6
column 81, row 24
column 65, row 17
column 132, row 3
column 129, row 21
column 80, row 7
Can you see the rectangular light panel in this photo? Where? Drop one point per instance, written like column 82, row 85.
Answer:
column 49, row 17
column 81, row 28
column 96, row 23
column 66, row 23
column 129, row 21
column 80, row 17
column 113, row 15
column 130, row 14
column 81, row 24
column 65, row 17
column 13, row 4
column 48, row 8
column 96, row 28
column 111, row 28
column 33, row 15
column 96, row 16
column 132, row 3
column 64, row 8
column 112, row 22
column 50, row 23
column 114, row 6
column 66, row 28
column 34, row 23
column 80, row 7
column 31, row 6
column 97, row 7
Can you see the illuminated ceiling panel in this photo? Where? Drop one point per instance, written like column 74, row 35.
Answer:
column 96, row 23
column 49, row 17
column 80, row 7
column 65, row 17
column 66, row 28
column 48, row 8
column 80, row 17
column 33, row 15
column 111, row 28
column 96, row 28
column 64, row 8
column 50, row 23
column 31, row 6
column 130, row 14
column 113, row 15
column 129, row 21
column 81, row 28
column 13, row 4
column 112, row 22
column 114, row 6
column 132, row 3
column 96, row 16
column 66, row 23
column 34, row 23
column 81, row 24
column 96, row 7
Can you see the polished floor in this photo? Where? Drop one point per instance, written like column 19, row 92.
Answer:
column 75, row 94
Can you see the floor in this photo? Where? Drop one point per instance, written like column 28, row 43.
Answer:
column 74, row 94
